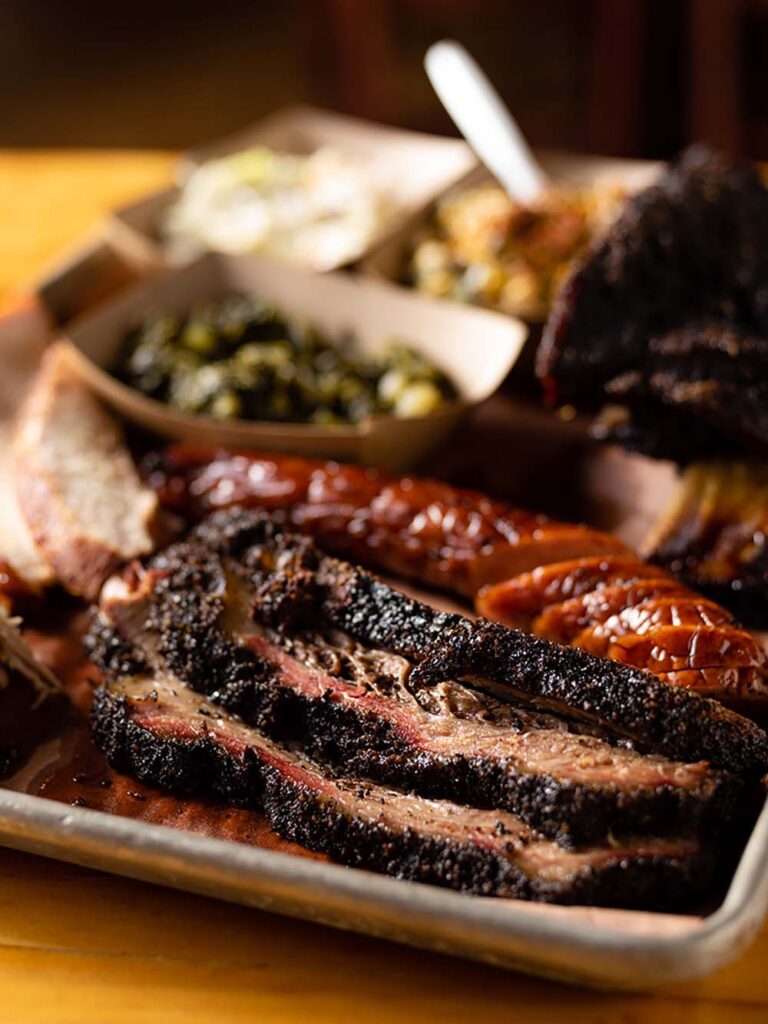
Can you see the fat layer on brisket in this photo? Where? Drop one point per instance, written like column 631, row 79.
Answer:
column 159, row 730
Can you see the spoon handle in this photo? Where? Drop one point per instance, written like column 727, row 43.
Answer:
column 481, row 116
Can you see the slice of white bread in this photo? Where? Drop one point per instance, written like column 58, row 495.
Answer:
column 21, row 561
column 76, row 482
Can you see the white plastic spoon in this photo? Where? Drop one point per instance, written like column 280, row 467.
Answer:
column 482, row 118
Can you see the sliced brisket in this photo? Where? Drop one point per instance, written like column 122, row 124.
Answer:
column 163, row 733
column 350, row 705
column 320, row 653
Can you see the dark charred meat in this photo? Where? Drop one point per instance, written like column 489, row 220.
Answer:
column 351, row 706
column 288, row 587
column 165, row 734
column 668, row 313
column 243, row 663
column 441, row 536
column 704, row 373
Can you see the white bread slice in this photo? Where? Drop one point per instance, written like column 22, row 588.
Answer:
column 76, row 482
column 21, row 561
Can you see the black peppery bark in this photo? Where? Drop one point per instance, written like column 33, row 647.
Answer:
column 366, row 745
column 714, row 375
column 325, row 816
column 678, row 722
column 672, row 720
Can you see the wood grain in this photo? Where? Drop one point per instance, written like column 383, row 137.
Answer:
column 79, row 946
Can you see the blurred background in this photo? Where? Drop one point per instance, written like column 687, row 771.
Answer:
column 623, row 77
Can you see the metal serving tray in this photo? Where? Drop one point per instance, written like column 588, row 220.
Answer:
column 603, row 948
column 596, row 947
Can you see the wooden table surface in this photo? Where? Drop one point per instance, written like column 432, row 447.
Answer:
column 80, row 946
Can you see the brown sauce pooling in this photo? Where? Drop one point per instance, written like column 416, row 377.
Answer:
column 66, row 766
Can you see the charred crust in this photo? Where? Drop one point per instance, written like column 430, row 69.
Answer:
column 680, row 723
column 572, row 814
column 713, row 211
column 110, row 652
column 186, row 616
column 298, row 813
column 365, row 745
column 370, row 610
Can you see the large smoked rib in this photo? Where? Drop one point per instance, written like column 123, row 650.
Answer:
column 636, row 613
column 442, row 536
column 294, row 588
column 163, row 733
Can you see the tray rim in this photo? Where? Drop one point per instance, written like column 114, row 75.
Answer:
column 511, row 934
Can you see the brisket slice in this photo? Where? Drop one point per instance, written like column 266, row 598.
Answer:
column 291, row 586
column 293, row 581
column 349, row 705
column 164, row 734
